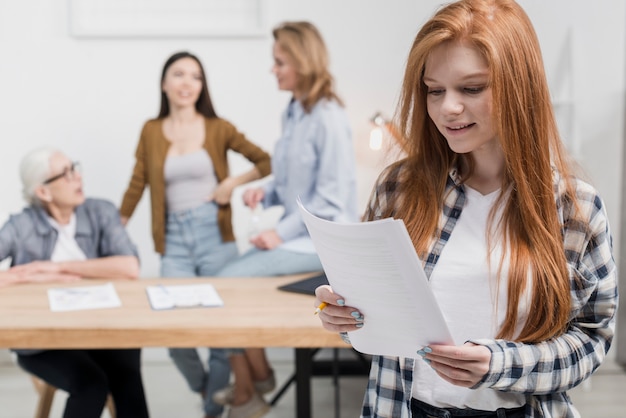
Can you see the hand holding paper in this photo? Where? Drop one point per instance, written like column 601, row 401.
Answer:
column 373, row 266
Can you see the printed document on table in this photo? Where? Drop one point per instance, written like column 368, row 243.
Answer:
column 83, row 297
column 373, row 265
column 183, row 296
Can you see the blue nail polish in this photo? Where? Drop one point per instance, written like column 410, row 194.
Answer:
column 427, row 350
column 359, row 319
column 427, row 361
column 355, row 314
column 341, row 302
column 359, row 325
column 421, row 353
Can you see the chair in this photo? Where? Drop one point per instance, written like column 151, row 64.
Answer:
column 46, row 394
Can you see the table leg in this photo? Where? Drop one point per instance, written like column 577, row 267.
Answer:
column 303, row 382
column 336, row 382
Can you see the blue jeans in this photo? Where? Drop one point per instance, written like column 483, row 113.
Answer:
column 267, row 263
column 194, row 248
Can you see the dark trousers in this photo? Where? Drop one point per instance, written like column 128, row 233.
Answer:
column 88, row 376
column 421, row 409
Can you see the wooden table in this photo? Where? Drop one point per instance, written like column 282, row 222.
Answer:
column 255, row 314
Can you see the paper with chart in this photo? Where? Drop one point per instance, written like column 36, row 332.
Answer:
column 183, row 296
column 83, row 297
column 373, row 265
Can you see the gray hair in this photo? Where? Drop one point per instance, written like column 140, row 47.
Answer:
column 34, row 170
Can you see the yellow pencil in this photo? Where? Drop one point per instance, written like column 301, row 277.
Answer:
column 320, row 308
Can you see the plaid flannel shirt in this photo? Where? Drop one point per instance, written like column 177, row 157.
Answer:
column 544, row 371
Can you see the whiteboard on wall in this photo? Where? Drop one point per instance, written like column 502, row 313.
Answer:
column 166, row 18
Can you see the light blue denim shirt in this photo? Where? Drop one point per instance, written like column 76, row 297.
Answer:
column 313, row 159
column 28, row 236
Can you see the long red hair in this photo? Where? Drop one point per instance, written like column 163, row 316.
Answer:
column 524, row 121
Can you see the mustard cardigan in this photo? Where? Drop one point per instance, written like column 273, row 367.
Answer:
column 220, row 136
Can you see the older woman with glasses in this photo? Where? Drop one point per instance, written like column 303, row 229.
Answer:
column 61, row 237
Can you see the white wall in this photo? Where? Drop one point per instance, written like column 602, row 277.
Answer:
column 90, row 97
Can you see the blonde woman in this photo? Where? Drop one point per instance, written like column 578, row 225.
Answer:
column 313, row 159
column 517, row 249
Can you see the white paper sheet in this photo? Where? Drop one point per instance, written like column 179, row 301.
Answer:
column 83, row 297
column 183, row 296
column 373, row 265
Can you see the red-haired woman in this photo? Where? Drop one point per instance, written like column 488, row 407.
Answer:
column 516, row 247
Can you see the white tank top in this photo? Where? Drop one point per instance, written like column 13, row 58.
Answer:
column 189, row 180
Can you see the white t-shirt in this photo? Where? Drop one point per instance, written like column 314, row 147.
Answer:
column 66, row 248
column 466, row 289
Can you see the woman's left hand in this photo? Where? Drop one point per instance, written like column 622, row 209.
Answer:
column 464, row 365
column 36, row 267
column 223, row 192
column 37, row 272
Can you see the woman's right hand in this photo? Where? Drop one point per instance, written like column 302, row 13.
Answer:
column 41, row 272
column 336, row 317
column 10, row 277
column 252, row 197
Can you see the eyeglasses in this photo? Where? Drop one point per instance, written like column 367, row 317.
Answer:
column 68, row 172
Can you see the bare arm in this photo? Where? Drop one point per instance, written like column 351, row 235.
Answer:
column 8, row 278
column 224, row 190
column 118, row 267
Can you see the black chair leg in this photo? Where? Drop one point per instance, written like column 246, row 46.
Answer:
column 282, row 390
column 336, row 382
column 288, row 383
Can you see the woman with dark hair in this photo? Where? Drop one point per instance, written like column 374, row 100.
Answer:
column 516, row 247
column 182, row 157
